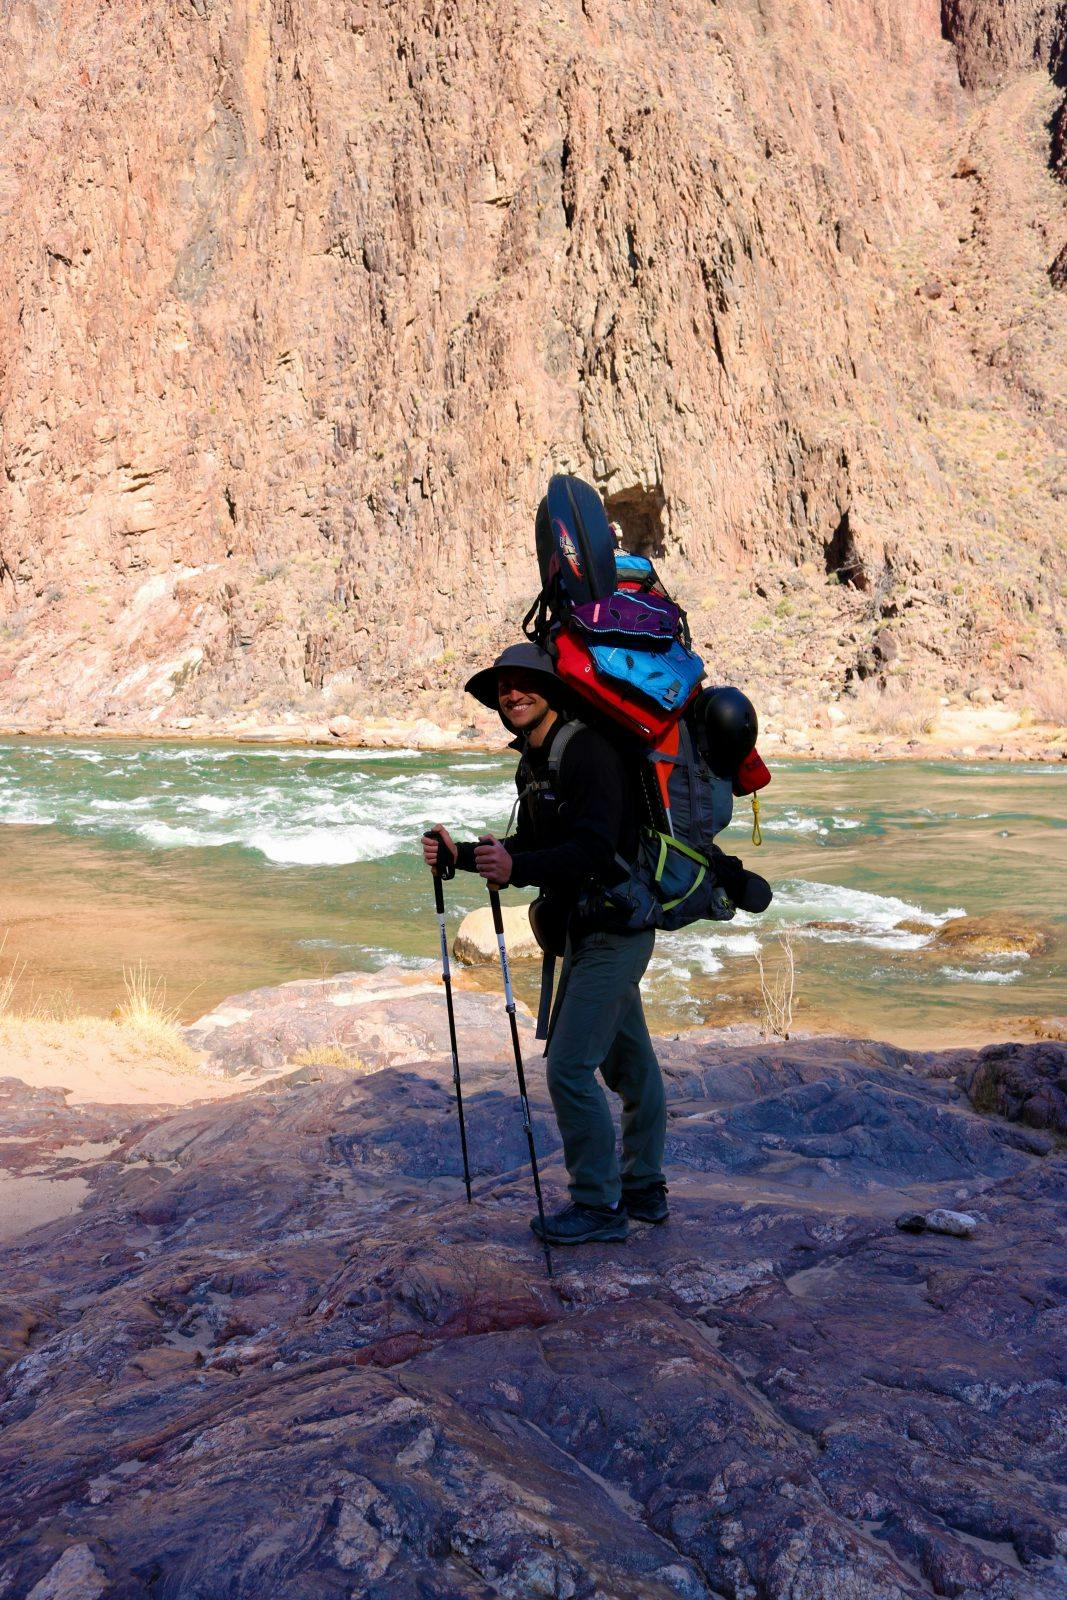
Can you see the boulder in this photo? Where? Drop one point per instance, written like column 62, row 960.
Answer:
column 960, row 1224
column 475, row 943
column 1025, row 1083
column 385, row 1019
column 998, row 934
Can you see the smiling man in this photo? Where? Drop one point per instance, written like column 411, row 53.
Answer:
column 577, row 824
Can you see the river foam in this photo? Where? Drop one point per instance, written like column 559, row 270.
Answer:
column 316, row 809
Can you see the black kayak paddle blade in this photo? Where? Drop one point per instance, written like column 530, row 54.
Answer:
column 575, row 541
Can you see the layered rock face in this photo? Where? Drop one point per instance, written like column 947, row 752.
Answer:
column 301, row 305
column 275, row 1352
column 994, row 40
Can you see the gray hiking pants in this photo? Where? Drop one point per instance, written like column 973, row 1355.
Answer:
column 598, row 1024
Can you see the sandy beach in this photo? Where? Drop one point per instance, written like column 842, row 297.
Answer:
column 840, row 731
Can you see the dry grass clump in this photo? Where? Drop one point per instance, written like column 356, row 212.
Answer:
column 895, row 711
column 329, row 1055
column 146, row 1014
column 143, row 1024
column 9, row 981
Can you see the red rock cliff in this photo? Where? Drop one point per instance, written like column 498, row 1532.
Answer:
column 301, row 304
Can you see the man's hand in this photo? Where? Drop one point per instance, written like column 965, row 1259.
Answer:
column 492, row 861
column 433, row 840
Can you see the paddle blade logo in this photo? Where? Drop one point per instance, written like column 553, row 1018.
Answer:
column 568, row 550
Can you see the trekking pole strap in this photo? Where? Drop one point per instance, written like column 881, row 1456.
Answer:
column 544, row 1004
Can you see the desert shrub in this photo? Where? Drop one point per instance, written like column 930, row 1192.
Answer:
column 895, row 711
column 10, row 973
column 778, row 989
column 1046, row 696
column 30, row 1019
column 146, row 1013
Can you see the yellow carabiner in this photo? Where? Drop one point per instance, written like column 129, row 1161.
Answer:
column 757, row 834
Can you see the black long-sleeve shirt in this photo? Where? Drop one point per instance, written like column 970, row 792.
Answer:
column 560, row 848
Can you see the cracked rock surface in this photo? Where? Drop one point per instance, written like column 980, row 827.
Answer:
column 275, row 1352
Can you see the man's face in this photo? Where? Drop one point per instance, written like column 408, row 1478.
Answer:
column 518, row 699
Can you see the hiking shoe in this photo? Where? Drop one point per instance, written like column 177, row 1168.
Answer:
column 647, row 1205
column 577, row 1224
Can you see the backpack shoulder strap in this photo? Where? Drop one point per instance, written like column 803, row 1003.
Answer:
column 560, row 742
column 526, row 783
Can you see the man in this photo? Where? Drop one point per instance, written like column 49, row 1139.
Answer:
column 569, row 839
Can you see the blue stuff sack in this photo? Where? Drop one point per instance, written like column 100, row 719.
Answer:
column 637, row 570
column 666, row 677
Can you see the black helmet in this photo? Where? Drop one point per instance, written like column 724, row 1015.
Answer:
column 726, row 728
column 528, row 657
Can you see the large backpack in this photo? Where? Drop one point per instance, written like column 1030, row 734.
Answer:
column 624, row 647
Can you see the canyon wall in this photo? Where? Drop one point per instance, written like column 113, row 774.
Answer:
column 300, row 305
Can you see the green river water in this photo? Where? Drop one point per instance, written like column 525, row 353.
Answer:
column 224, row 868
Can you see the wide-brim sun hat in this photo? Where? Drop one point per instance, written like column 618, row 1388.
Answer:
column 527, row 657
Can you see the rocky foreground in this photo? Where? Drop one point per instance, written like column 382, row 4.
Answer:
column 275, row 1353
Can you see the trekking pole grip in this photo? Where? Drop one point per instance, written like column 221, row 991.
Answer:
column 445, row 868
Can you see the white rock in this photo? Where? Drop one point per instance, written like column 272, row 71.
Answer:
column 426, row 735
column 475, row 943
column 959, row 1223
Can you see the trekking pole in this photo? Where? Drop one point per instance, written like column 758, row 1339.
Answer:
column 446, row 979
column 509, row 998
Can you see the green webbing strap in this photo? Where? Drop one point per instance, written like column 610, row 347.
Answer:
column 667, row 842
